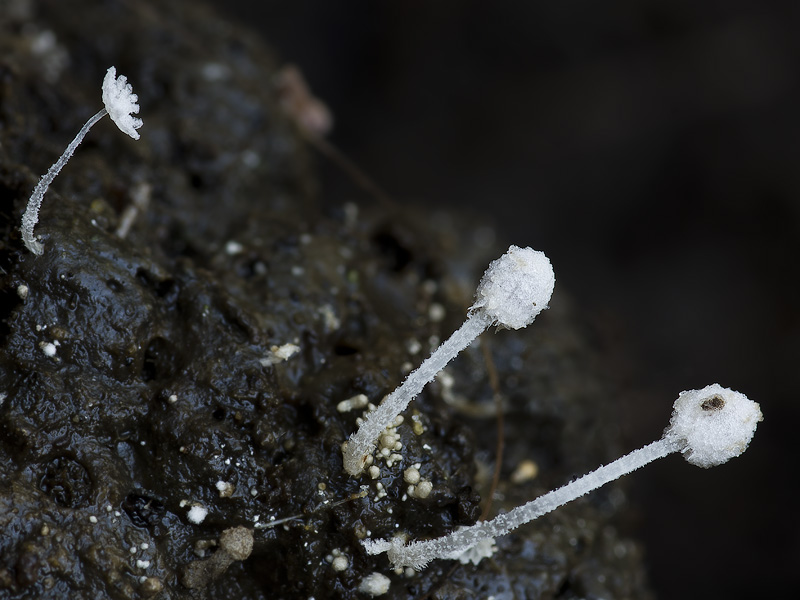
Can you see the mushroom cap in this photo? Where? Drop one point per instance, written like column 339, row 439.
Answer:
column 713, row 425
column 516, row 287
column 120, row 102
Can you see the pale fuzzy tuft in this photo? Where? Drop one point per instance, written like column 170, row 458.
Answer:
column 713, row 424
column 516, row 287
column 120, row 102
column 375, row 584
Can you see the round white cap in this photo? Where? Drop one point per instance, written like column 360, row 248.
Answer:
column 516, row 287
column 713, row 424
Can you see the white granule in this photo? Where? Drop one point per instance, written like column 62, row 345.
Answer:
column 225, row 489
column 197, row 514
column 340, row 563
column 48, row 348
column 374, row 584
column 279, row 354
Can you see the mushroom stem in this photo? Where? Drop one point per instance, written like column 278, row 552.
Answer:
column 362, row 443
column 514, row 289
column 31, row 216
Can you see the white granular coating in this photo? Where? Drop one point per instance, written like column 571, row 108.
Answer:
column 483, row 549
column 516, row 287
column 713, row 424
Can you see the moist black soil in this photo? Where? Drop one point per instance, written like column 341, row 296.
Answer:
column 193, row 366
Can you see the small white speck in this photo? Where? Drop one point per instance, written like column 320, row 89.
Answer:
column 48, row 348
column 22, row 291
column 142, row 564
column 278, row 354
column 225, row 489
column 340, row 563
column 232, row 248
column 374, row 584
column 413, row 346
column 133, row 550
column 297, row 271
column 423, row 489
column 172, row 399
column 251, row 159
column 358, row 401
column 197, row 514
column 92, row 519
column 214, row 71
column 436, row 312
column 144, row 546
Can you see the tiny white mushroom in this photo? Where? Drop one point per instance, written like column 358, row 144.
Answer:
column 120, row 102
column 709, row 426
column 514, row 289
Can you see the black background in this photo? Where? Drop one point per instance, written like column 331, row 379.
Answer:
column 652, row 149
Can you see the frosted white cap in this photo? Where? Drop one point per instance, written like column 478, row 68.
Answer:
column 120, row 102
column 713, row 424
column 516, row 287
